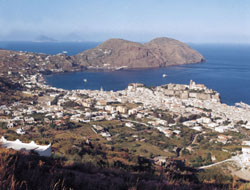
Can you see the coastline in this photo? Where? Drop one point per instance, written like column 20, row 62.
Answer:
column 178, row 100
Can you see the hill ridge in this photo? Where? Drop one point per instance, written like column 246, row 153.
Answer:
column 159, row 52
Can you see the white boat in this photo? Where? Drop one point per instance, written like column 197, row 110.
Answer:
column 85, row 80
column 164, row 75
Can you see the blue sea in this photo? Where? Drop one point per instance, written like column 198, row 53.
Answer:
column 226, row 70
column 48, row 47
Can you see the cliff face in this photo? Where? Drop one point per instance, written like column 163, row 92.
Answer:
column 118, row 53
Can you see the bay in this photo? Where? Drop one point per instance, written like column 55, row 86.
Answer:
column 226, row 70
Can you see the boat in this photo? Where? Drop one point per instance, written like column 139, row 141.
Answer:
column 164, row 75
column 85, row 80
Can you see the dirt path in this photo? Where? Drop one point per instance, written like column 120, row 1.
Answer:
column 217, row 163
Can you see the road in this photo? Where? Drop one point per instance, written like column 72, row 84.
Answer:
column 193, row 141
column 217, row 163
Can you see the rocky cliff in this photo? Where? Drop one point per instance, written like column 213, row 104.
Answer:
column 118, row 53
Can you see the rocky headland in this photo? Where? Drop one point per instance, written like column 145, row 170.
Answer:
column 112, row 54
column 122, row 54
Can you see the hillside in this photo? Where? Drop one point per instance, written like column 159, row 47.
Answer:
column 137, row 138
column 20, row 170
column 112, row 54
column 118, row 53
column 172, row 52
column 19, row 62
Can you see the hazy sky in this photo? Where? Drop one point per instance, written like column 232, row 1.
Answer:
column 139, row 20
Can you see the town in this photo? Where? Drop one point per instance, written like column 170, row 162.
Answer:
column 186, row 121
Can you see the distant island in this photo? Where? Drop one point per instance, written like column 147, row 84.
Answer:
column 43, row 38
column 113, row 54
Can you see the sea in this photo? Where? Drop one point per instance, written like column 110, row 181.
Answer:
column 226, row 70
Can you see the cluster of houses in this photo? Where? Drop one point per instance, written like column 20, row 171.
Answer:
column 136, row 103
column 102, row 131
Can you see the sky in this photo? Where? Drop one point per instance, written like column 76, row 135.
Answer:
column 197, row 21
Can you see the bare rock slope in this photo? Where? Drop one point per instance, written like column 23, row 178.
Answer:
column 118, row 53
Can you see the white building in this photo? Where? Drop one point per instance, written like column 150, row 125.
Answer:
column 18, row 145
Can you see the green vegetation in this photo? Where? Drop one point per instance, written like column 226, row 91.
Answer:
column 3, row 125
column 215, row 175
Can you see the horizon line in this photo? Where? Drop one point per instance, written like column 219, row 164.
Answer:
column 100, row 41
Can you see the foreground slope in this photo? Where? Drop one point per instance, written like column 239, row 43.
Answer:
column 19, row 170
